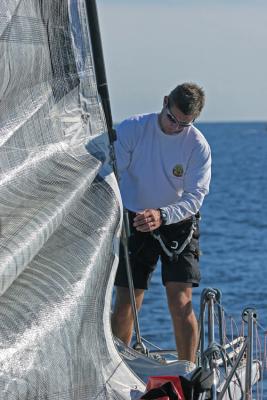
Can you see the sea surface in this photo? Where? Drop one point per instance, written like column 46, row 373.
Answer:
column 233, row 234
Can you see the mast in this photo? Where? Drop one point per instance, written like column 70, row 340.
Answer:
column 99, row 63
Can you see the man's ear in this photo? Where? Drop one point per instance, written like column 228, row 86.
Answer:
column 165, row 101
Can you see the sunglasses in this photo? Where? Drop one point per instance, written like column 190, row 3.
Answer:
column 174, row 120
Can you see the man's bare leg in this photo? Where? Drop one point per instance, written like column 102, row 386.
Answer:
column 183, row 318
column 122, row 320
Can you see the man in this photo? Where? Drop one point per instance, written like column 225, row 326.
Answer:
column 164, row 163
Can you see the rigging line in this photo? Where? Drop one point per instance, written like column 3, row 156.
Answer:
column 235, row 344
column 103, row 91
column 261, row 327
column 233, row 327
column 265, row 352
column 231, row 317
column 237, row 377
column 234, row 324
column 151, row 344
column 264, row 332
column 259, row 386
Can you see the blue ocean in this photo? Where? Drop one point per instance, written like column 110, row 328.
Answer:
column 233, row 233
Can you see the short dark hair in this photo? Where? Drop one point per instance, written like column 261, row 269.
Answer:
column 189, row 98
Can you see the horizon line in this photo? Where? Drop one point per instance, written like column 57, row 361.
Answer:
column 252, row 121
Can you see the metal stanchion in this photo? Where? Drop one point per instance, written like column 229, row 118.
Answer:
column 250, row 316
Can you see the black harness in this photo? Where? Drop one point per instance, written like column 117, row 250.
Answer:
column 173, row 249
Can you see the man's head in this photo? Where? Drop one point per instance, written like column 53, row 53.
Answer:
column 181, row 107
column 188, row 97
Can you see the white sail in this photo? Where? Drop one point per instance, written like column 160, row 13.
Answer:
column 60, row 211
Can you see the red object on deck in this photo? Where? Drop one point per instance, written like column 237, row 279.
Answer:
column 173, row 391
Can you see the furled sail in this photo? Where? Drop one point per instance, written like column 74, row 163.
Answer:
column 60, row 211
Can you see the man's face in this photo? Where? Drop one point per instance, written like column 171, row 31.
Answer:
column 172, row 119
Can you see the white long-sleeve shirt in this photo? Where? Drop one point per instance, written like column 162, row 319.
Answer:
column 158, row 170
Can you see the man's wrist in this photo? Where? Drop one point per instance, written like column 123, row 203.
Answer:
column 163, row 216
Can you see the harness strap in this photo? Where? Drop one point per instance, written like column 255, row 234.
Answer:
column 175, row 250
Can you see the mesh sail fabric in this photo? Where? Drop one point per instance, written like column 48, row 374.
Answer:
column 60, row 211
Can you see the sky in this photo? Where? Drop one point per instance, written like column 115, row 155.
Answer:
column 150, row 46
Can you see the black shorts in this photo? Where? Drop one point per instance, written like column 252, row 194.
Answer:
column 145, row 251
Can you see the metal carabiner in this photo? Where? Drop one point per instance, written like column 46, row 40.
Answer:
column 175, row 245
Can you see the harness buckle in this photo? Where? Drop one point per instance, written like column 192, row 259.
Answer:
column 174, row 245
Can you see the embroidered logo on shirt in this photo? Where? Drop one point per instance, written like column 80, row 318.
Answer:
column 178, row 170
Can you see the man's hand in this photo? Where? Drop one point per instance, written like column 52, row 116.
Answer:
column 147, row 220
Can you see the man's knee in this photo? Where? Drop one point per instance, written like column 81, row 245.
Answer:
column 123, row 302
column 122, row 319
column 179, row 299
